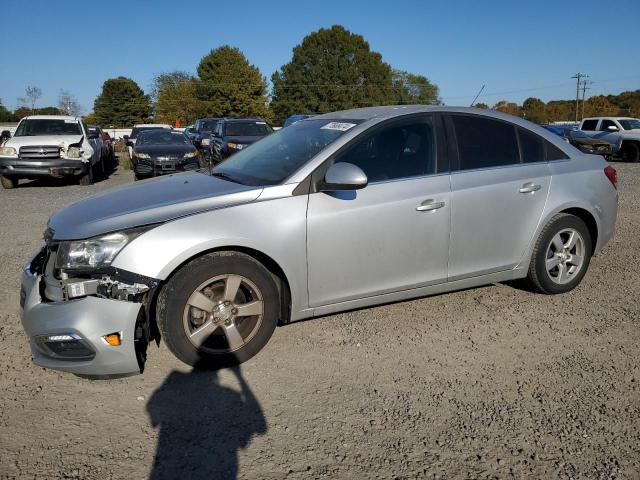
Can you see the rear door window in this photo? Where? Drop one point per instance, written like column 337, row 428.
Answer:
column 484, row 143
column 531, row 146
column 589, row 124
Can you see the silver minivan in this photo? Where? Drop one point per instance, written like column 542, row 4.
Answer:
column 339, row 211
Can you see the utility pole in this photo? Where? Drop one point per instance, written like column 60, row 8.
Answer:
column 585, row 82
column 578, row 76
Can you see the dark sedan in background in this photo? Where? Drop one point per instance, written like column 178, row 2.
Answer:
column 159, row 152
column 233, row 134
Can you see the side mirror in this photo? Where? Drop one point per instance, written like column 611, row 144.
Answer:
column 344, row 176
column 612, row 128
column 5, row 134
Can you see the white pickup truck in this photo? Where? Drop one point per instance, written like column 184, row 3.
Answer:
column 616, row 130
column 50, row 146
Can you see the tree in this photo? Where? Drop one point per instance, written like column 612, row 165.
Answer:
column 33, row 94
column 229, row 85
column 176, row 96
column 68, row 104
column 332, row 69
column 599, row 106
column 508, row 107
column 414, row 89
column 561, row 110
column 627, row 102
column 535, row 110
column 121, row 103
column 481, row 105
column 6, row 115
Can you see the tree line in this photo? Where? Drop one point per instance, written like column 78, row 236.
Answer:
column 626, row 104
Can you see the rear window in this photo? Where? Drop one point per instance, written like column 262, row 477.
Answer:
column 247, row 129
column 531, row 146
column 484, row 143
column 589, row 124
column 136, row 130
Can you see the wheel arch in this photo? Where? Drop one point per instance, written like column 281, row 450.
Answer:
column 589, row 219
column 278, row 274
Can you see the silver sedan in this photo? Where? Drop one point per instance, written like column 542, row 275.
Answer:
column 339, row 211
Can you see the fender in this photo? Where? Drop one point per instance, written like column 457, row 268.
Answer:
column 274, row 227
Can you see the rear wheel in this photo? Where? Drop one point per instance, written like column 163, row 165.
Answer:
column 219, row 310
column 8, row 182
column 630, row 152
column 561, row 255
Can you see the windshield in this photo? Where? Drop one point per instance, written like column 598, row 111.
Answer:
column 137, row 130
column 247, row 129
column 630, row 124
column 29, row 128
column 276, row 157
column 166, row 137
column 208, row 125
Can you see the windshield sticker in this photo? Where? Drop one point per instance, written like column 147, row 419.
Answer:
column 343, row 127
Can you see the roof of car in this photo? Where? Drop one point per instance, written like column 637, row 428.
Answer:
column 609, row 118
column 390, row 111
column 51, row 117
column 160, row 125
column 244, row 119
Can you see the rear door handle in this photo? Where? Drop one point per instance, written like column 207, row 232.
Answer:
column 429, row 205
column 530, row 188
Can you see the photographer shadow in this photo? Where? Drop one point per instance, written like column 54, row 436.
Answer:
column 203, row 425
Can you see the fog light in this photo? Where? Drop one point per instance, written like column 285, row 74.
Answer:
column 64, row 346
column 113, row 339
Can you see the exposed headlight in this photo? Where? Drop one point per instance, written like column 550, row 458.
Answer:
column 205, row 142
column 7, row 151
column 190, row 154
column 95, row 252
column 141, row 155
column 74, row 152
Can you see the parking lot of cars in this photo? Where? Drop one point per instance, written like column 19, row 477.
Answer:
column 488, row 382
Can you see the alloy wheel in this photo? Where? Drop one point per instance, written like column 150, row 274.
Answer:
column 565, row 256
column 223, row 314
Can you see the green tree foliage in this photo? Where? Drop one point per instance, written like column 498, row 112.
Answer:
column 481, row 105
column 332, row 69
column 414, row 89
column 561, row 110
column 176, row 96
column 534, row 110
column 122, row 103
column 6, row 115
column 600, row 106
column 229, row 85
column 628, row 103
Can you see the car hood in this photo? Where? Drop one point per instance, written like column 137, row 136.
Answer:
column 147, row 202
column 243, row 139
column 62, row 141
column 155, row 150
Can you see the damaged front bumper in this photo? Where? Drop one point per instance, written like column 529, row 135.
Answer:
column 56, row 168
column 75, row 332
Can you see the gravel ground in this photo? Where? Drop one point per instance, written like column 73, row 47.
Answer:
column 492, row 382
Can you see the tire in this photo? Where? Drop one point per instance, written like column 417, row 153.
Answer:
column 8, row 182
column 555, row 268
column 207, row 337
column 630, row 152
column 87, row 178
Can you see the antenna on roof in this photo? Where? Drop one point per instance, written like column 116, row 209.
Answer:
column 474, row 100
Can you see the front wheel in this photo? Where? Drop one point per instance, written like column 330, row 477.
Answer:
column 561, row 255
column 87, row 178
column 8, row 182
column 218, row 310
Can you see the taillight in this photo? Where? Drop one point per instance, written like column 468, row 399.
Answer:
column 612, row 175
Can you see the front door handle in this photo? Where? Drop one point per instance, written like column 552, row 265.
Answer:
column 429, row 205
column 530, row 188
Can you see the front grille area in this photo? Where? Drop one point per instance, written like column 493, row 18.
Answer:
column 36, row 152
